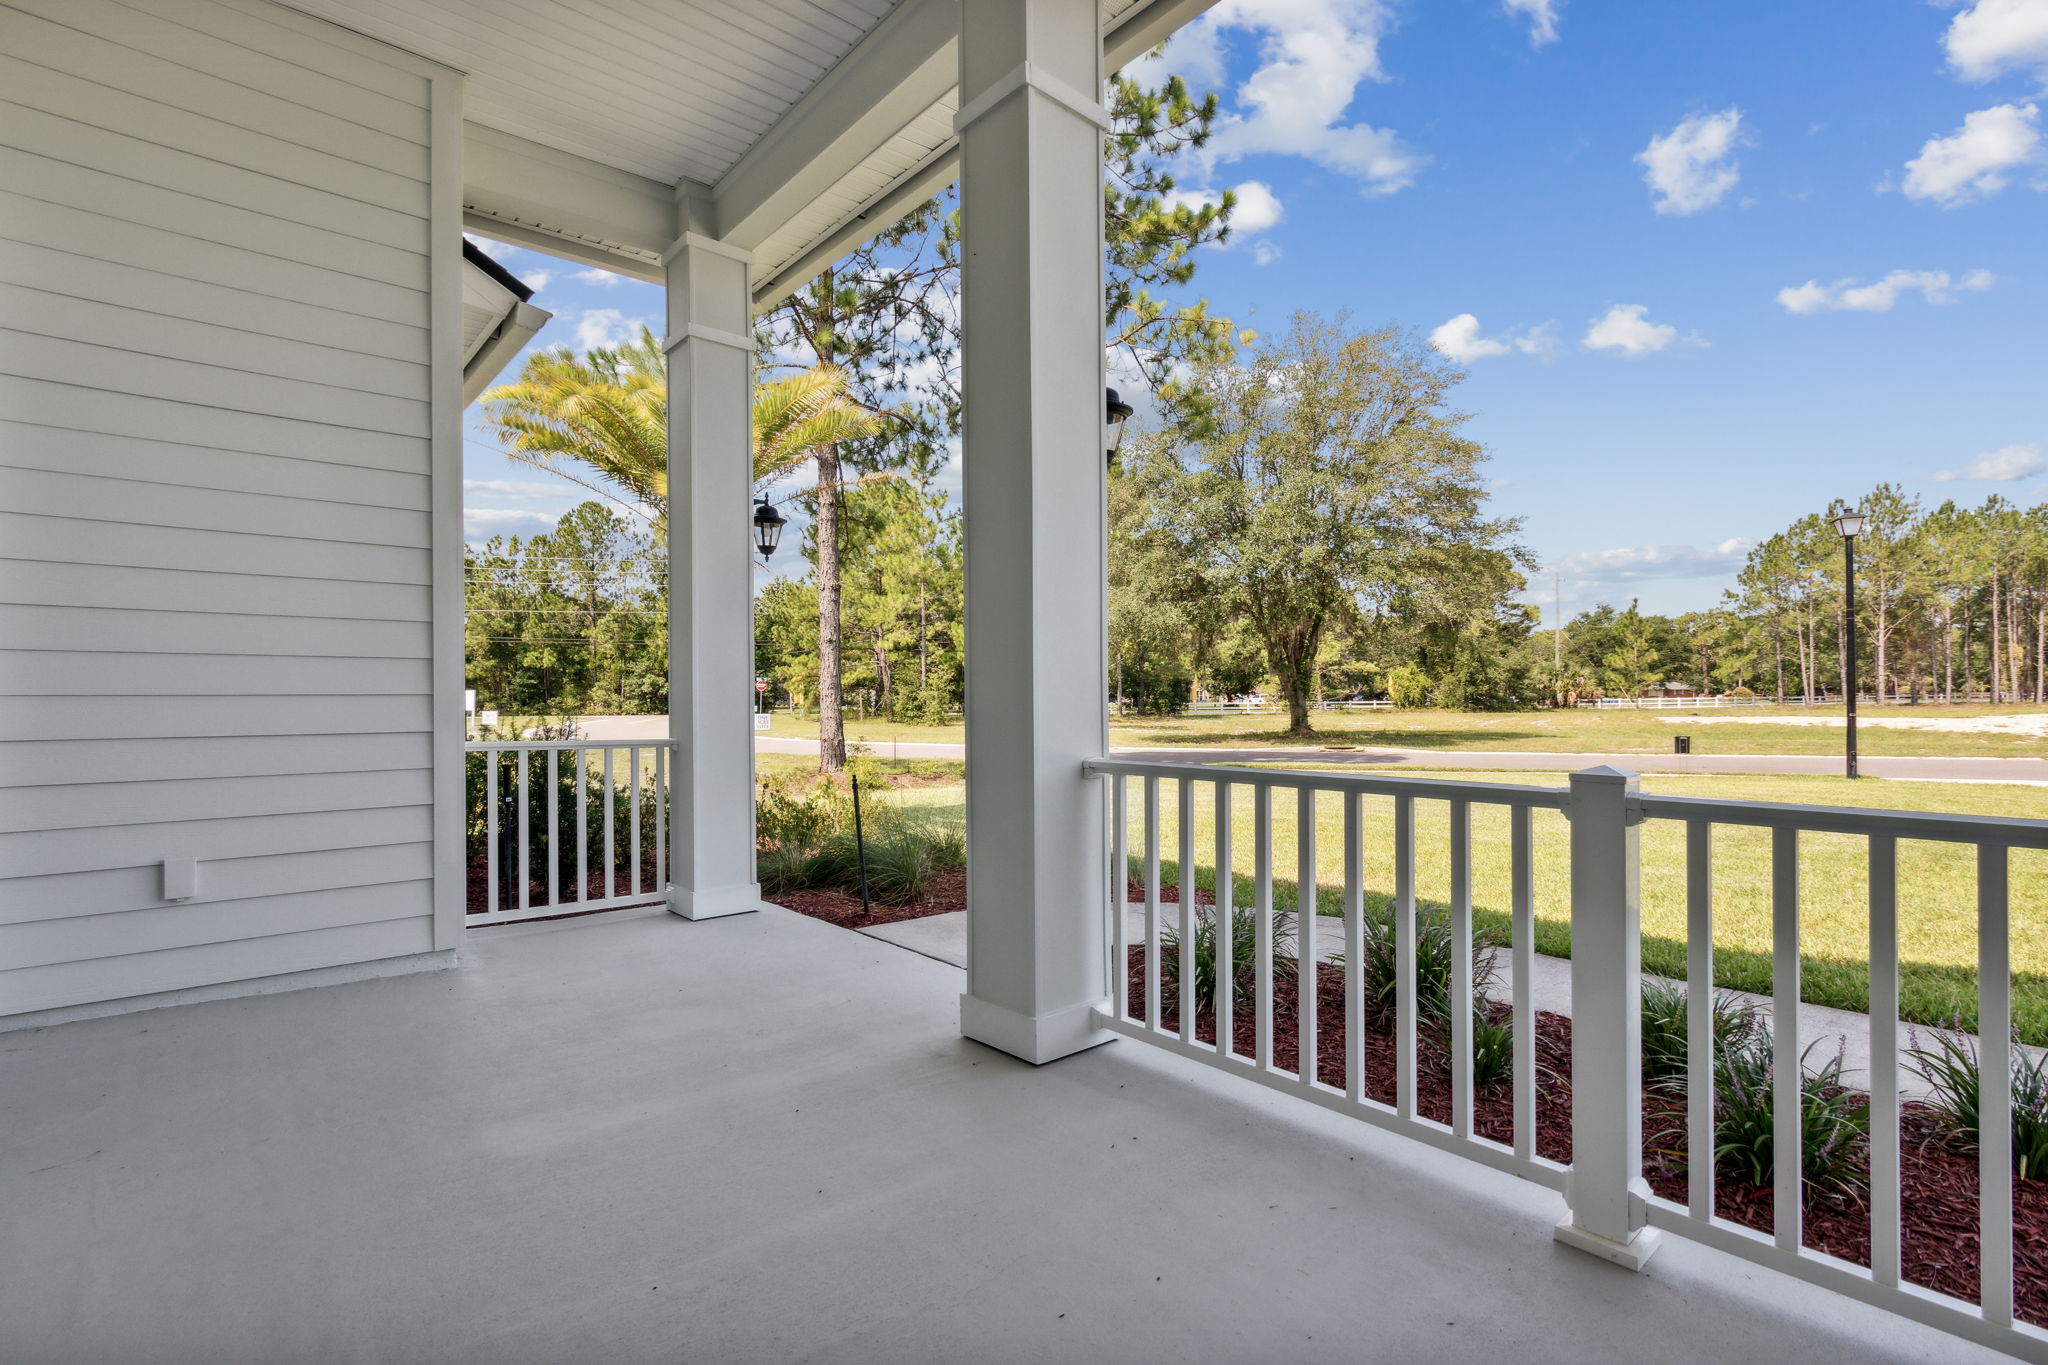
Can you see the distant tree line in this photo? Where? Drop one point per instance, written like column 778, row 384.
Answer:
column 1950, row 603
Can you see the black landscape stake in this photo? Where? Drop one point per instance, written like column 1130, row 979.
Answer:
column 861, row 848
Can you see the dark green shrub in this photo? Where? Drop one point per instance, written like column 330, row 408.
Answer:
column 1244, row 949
column 1834, row 1120
column 1435, row 952
column 1493, row 1046
column 1955, row 1078
column 1737, row 1023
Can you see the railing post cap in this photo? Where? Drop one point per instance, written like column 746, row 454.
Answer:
column 1604, row 773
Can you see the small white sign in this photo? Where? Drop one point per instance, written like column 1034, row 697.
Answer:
column 487, row 717
column 469, row 701
column 761, row 719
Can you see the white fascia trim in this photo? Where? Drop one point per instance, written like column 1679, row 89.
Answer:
column 697, row 241
column 1031, row 76
column 716, row 336
column 513, row 331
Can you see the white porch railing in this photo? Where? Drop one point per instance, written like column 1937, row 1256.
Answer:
column 1612, row 1211
column 559, row 827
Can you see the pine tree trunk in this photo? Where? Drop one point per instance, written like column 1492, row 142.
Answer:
column 1997, row 662
column 831, row 715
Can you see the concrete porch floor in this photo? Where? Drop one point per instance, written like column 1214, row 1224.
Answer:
column 631, row 1138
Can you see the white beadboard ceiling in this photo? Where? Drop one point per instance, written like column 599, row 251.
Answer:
column 669, row 89
column 666, row 89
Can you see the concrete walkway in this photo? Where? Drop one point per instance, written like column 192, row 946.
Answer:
column 944, row 938
column 632, row 1138
column 624, row 729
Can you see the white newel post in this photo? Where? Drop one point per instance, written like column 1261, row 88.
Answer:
column 1031, row 124
column 710, row 580
column 1606, row 1189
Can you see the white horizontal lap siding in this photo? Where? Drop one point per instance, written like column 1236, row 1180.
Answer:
column 226, row 456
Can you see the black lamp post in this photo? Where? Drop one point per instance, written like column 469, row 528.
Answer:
column 1850, row 524
column 767, row 529
column 1118, row 412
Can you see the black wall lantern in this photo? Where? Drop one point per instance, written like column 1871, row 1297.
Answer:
column 1119, row 412
column 767, row 529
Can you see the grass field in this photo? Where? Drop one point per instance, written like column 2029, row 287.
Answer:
column 1937, row 916
column 1618, row 731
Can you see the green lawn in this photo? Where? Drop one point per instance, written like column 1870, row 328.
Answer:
column 1938, row 940
column 1618, row 731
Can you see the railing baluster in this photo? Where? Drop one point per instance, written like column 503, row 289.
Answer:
column 490, row 758
column 611, row 851
column 1354, row 950
column 1226, row 927
column 554, row 826
column 660, row 878
column 633, row 818
column 525, row 864
column 1152, row 902
column 1885, row 1244
column 583, row 824
column 1522, row 912
column 1786, row 1145
column 1262, row 914
column 1185, row 967
column 1120, row 894
column 1699, row 1017
column 1994, row 1114
column 1461, row 968
column 1305, row 934
column 1404, row 956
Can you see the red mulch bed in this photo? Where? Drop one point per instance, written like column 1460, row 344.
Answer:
column 479, row 901
column 946, row 892
column 1938, row 1187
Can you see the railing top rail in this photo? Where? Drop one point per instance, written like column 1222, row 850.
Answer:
column 499, row 745
column 1294, row 779
column 2010, row 831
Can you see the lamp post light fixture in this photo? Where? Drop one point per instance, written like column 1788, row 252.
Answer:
column 1118, row 412
column 767, row 529
column 1850, row 524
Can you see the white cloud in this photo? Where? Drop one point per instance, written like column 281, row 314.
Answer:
column 1632, row 563
column 536, row 280
column 1194, row 53
column 1258, row 211
column 1974, row 162
column 481, row 523
column 1538, row 340
column 517, row 488
column 1460, row 340
column 1313, row 56
column 1992, row 36
column 1878, row 297
column 603, row 279
column 1689, row 168
column 605, row 327
column 1624, row 328
column 1542, row 18
column 2003, row 465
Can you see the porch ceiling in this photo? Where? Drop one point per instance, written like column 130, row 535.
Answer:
column 632, row 1138
column 802, row 125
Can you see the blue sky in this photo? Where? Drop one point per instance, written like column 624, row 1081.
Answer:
column 1710, row 265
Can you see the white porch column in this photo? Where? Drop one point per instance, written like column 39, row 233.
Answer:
column 1031, row 125
column 710, row 580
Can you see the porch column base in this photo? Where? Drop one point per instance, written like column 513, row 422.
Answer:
column 1037, row 1039
column 1633, row 1254
column 716, row 903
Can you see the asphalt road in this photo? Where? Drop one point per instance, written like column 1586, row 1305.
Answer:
column 2031, row 770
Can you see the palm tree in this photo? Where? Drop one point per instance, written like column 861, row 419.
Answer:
column 606, row 413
